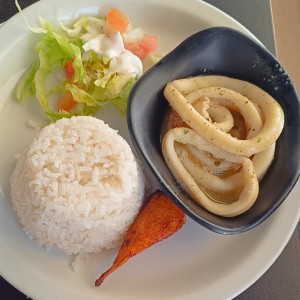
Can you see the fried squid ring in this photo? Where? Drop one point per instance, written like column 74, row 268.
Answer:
column 217, row 114
column 202, row 175
column 261, row 161
column 211, row 164
column 249, row 190
column 244, row 96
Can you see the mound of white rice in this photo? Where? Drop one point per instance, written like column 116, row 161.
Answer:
column 78, row 186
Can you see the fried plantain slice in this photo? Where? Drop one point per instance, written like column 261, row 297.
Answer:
column 158, row 219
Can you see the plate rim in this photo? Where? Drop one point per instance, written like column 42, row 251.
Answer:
column 42, row 3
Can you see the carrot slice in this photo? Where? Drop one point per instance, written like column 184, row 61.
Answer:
column 116, row 20
column 158, row 219
column 66, row 102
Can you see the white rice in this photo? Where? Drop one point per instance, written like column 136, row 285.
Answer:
column 78, row 186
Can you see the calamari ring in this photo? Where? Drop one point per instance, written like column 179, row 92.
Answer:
column 202, row 175
column 238, row 92
column 212, row 165
column 222, row 116
column 235, row 100
column 249, row 191
column 261, row 161
column 204, row 171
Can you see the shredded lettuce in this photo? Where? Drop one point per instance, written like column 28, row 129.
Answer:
column 117, row 83
column 113, row 88
column 120, row 102
column 54, row 50
column 81, row 96
column 85, row 28
column 35, row 30
column 25, row 87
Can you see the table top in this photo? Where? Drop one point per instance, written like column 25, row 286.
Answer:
column 286, row 19
column 281, row 281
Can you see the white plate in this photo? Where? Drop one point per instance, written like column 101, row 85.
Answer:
column 194, row 263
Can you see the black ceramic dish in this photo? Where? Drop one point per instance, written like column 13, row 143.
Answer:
column 227, row 52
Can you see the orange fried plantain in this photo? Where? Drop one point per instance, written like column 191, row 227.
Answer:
column 157, row 220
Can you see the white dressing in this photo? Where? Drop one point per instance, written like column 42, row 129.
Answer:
column 112, row 46
column 126, row 63
column 108, row 46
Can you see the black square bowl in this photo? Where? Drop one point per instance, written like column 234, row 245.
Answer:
column 227, row 52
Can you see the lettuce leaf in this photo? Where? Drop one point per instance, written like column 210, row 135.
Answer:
column 81, row 96
column 54, row 50
column 25, row 87
column 120, row 102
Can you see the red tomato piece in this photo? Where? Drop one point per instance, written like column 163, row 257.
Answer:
column 136, row 49
column 69, row 69
column 149, row 42
column 66, row 102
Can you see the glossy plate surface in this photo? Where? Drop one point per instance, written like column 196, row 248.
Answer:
column 227, row 52
column 193, row 264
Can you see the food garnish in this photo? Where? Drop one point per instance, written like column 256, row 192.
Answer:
column 158, row 219
column 83, row 67
column 229, row 144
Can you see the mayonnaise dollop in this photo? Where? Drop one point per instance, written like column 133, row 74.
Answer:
column 112, row 46
column 126, row 63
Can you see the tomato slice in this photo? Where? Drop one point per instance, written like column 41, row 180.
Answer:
column 147, row 45
column 136, row 49
column 149, row 42
column 66, row 102
column 69, row 69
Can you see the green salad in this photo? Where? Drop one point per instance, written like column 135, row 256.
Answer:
column 87, row 65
